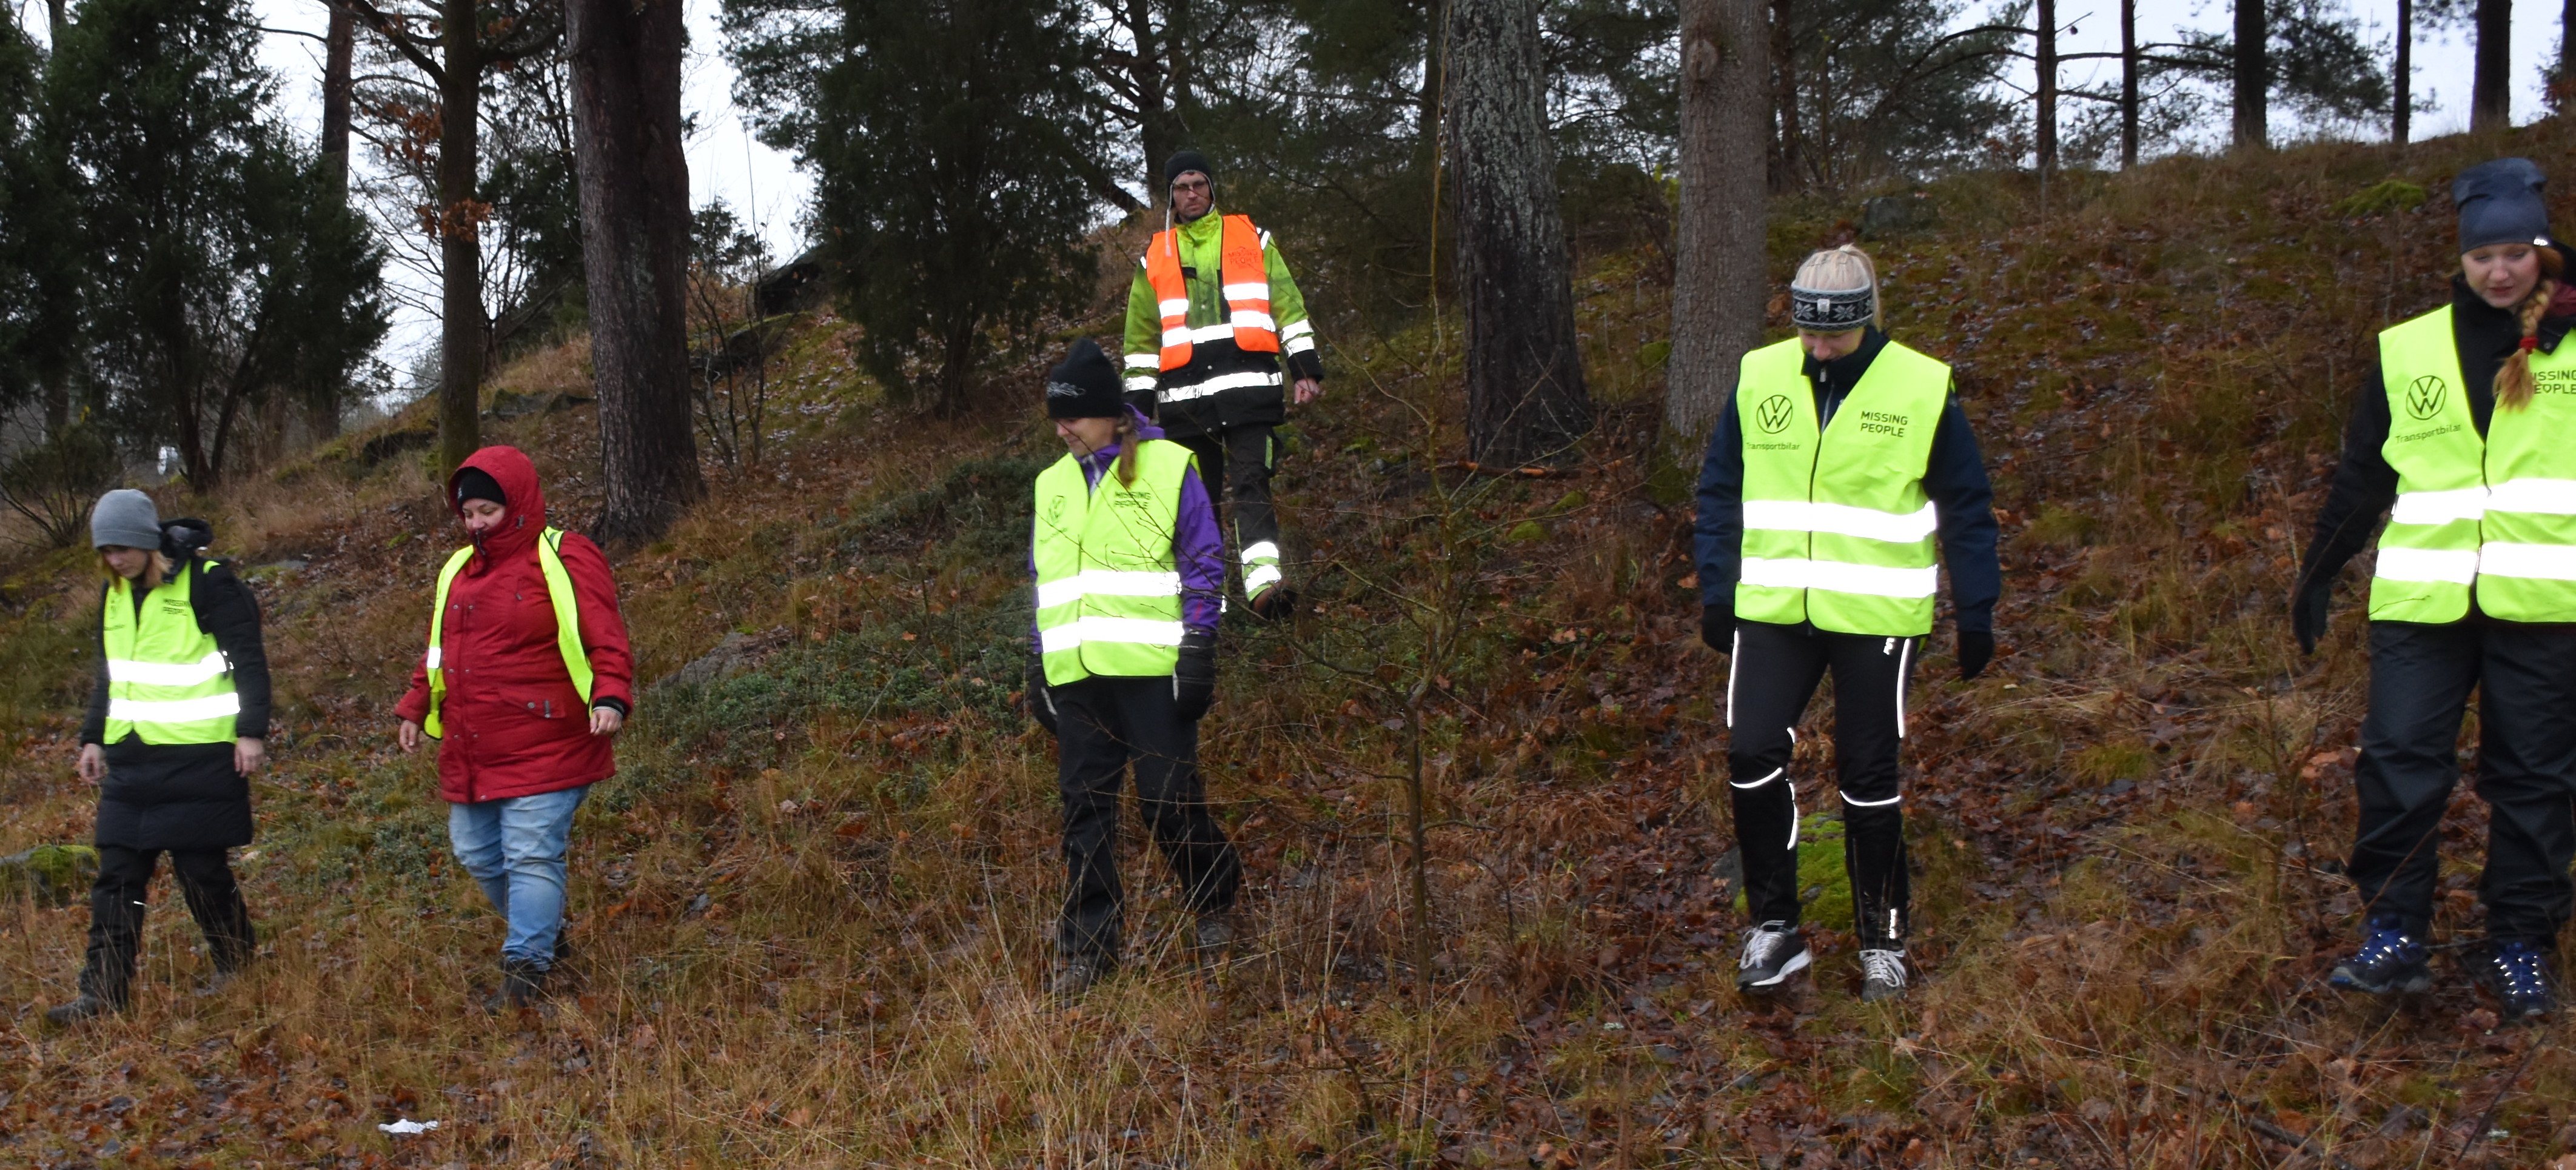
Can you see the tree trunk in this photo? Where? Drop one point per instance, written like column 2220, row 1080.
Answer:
column 1427, row 113
column 2491, row 93
column 58, row 23
column 2129, row 83
column 1525, row 395
column 339, row 47
column 2044, row 67
column 56, row 400
column 1784, row 97
column 460, row 248
column 1719, row 261
column 2564, row 83
column 626, row 66
column 2252, row 75
column 1149, row 70
column 2404, row 74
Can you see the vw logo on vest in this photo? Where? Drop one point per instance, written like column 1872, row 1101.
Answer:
column 1774, row 414
column 2424, row 396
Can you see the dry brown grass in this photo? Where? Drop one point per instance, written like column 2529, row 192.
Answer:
column 809, row 928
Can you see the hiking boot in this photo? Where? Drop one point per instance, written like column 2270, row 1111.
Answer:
column 2518, row 974
column 1882, row 975
column 80, row 1010
column 1773, row 952
column 1275, row 603
column 2390, row 962
column 1075, row 975
column 523, row 985
column 1216, row 934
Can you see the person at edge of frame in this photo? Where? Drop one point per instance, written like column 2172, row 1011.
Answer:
column 2464, row 436
column 525, row 683
column 1129, row 570
column 177, row 723
column 1211, row 314
column 1837, row 461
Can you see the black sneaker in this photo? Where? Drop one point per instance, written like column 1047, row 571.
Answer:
column 1773, row 952
column 2518, row 973
column 1882, row 975
column 2390, row 962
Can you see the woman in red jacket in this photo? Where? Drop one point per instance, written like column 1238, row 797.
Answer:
column 523, row 702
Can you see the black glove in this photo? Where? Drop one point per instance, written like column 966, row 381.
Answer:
column 1717, row 626
column 2308, row 612
column 1041, row 701
column 1194, row 677
column 1976, row 649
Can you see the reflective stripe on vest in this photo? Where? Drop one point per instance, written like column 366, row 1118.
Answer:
column 2490, row 517
column 166, row 681
column 567, row 625
column 1837, row 528
column 1243, row 279
column 1108, row 587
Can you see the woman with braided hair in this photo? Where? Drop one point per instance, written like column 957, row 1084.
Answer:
column 2462, row 436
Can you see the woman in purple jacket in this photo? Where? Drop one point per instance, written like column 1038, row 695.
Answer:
column 1128, row 563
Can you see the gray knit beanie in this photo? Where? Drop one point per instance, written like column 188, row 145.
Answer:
column 127, row 517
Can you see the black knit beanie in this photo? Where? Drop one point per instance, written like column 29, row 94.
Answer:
column 2500, row 203
column 474, row 483
column 1085, row 386
column 1185, row 162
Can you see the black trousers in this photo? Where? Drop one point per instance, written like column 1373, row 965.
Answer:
column 116, row 913
column 2420, row 678
column 1771, row 676
column 1237, row 462
column 1103, row 725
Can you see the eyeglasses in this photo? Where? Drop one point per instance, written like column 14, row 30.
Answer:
column 1189, row 184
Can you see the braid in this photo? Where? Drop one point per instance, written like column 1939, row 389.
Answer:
column 2513, row 386
column 1128, row 442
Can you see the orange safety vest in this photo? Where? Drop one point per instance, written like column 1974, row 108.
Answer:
column 1246, row 290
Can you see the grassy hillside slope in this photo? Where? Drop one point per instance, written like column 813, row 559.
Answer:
column 810, row 916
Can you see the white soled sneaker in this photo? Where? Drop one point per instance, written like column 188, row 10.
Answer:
column 1882, row 975
column 1773, row 952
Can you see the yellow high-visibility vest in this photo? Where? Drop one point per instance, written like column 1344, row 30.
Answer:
column 2493, row 516
column 166, row 680
column 1109, row 587
column 1838, row 530
column 567, row 623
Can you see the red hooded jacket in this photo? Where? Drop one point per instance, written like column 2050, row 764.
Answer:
column 514, row 725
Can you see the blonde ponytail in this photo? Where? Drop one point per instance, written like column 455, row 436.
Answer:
column 1128, row 442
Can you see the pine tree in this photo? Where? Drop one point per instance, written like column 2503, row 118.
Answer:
column 223, row 267
column 948, row 140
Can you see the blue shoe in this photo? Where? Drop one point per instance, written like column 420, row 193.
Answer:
column 2518, row 973
column 2390, row 962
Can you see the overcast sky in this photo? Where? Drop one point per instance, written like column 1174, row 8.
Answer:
column 766, row 190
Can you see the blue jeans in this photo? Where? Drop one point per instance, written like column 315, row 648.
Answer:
column 515, row 850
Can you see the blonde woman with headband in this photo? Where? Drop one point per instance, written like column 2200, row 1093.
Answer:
column 2461, row 438
column 1839, row 469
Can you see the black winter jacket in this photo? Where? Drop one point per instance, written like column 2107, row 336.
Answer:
column 186, row 796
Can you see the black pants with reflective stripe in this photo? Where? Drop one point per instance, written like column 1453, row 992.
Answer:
column 2420, row 679
column 1771, row 676
column 1103, row 725
column 1235, row 463
column 116, row 913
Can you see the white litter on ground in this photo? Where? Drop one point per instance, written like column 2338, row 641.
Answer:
column 407, row 1125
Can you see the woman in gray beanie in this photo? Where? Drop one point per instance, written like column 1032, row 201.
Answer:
column 2461, row 438
column 178, row 720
